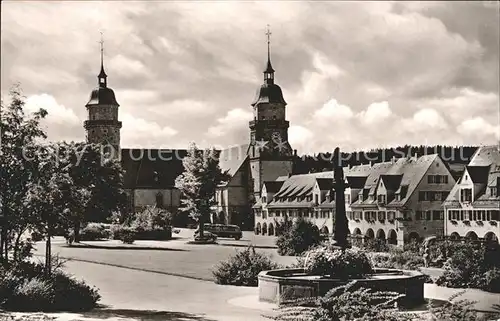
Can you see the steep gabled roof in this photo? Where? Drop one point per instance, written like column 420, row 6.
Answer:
column 231, row 159
column 151, row 168
column 273, row 186
column 485, row 156
column 324, row 184
column 392, row 182
column 413, row 172
column 356, row 182
column 478, row 174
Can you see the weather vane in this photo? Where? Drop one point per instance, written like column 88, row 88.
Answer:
column 102, row 45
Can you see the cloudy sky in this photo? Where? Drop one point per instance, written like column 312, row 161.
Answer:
column 354, row 74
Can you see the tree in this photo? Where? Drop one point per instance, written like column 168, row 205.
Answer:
column 20, row 136
column 198, row 183
column 101, row 176
column 52, row 195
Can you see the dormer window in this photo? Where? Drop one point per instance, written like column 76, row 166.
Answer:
column 494, row 191
column 466, row 195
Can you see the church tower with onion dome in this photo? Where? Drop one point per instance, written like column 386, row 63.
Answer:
column 270, row 153
column 102, row 125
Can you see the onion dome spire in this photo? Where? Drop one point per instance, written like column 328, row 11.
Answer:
column 102, row 77
column 269, row 72
column 269, row 92
column 102, row 95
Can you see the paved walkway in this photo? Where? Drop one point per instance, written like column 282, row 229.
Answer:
column 136, row 295
column 485, row 301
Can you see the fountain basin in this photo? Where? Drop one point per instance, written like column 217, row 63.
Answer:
column 279, row 286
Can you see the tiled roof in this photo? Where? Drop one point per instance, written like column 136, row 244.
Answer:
column 392, row 182
column 324, row 184
column 414, row 171
column 273, row 186
column 478, row 174
column 303, row 204
column 486, row 155
column 356, row 182
column 484, row 169
column 232, row 158
column 151, row 168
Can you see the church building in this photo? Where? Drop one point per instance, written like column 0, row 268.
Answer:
column 149, row 174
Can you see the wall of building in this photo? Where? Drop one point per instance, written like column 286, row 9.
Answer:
column 271, row 170
column 480, row 227
column 147, row 197
column 428, row 227
column 103, row 112
column 269, row 111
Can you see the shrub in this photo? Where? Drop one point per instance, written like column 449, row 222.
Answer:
column 297, row 237
column 243, row 268
column 25, row 287
column 152, row 218
column 492, row 280
column 375, row 245
column 397, row 259
column 94, row 232
column 342, row 303
column 150, row 224
column 347, row 303
column 127, row 235
column 34, row 294
column 412, row 246
column 71, row 294
column 464, row 268
column 337, row 263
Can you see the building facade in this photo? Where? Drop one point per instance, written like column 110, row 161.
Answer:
column 267, row 156
column 472, row 210
column 396, row 201
column 150, row 174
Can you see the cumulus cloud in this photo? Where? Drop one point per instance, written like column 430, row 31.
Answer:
column 332, row 111
column 357, row 74
column 301, row 138
column 138, row 132
column 478, row 129
column 375, row 113
column 234, row 119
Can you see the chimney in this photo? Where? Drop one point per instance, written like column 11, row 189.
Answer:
column 294, row 152
column 415, row 157
column 393, row 160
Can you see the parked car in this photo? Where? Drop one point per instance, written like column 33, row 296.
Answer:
column 223, row 230
column 207, row 236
